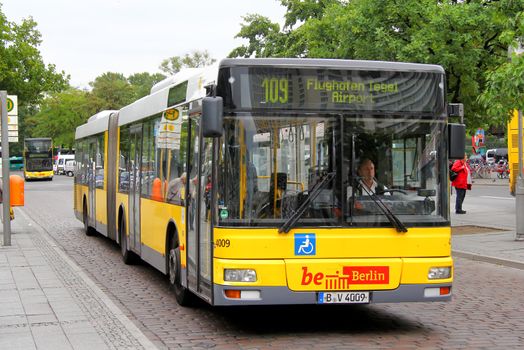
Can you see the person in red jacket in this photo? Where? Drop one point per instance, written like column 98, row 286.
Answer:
column 462, row 182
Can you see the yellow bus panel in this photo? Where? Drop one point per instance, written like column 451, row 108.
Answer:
column 333, row 243
column 81, row 191
column 513, row 151
column 155, row 219
column 101, row 206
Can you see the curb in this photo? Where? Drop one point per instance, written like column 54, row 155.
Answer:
column 489, row 259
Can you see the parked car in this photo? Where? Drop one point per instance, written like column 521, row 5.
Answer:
column 69, row 167
column 60, row 161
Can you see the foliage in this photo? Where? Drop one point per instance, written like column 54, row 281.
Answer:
column 111, row 91
column 60, row 114
column 194, row 59
column 142, row 83
column 23, row 71
column 505, row 83
column 468, row 38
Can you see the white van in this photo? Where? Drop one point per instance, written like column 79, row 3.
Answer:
column 60, row 162
column 490, row 156
column 69, row 167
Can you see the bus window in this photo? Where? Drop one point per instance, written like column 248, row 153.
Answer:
column 269, row 165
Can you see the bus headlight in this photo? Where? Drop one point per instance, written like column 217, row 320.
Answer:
column 240, row 275
column 438, row 273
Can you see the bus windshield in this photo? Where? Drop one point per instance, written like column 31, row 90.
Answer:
column 270, row 165
column 38, row 154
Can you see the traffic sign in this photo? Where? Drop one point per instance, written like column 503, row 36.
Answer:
column 12, row 105
column 12, row 117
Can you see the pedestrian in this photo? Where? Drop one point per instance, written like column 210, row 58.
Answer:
column 462, row 182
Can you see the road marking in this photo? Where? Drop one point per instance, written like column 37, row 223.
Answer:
column 493, row 197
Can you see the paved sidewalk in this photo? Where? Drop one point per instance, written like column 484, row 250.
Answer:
column 498, row 246
column 48, row 302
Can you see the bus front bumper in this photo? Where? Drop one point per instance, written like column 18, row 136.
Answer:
column 283, row 295
column 38, row 175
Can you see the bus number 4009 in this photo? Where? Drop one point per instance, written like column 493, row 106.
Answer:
column 276, row 90
column 222, row 243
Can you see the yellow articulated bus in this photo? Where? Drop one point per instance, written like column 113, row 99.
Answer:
column 241, row 182
column 38, row 158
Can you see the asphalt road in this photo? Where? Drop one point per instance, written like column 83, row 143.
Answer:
column 487, row 310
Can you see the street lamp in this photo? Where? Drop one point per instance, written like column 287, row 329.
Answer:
column 519, row 190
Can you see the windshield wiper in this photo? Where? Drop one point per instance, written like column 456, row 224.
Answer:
column 315, row 191
column 393, row 219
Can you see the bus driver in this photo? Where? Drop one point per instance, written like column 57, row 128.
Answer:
column 366, row 181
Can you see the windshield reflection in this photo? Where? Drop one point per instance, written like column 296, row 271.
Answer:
column 268, row 167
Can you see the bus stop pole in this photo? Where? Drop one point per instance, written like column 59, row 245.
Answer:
column 5, row 171
column 519, row 191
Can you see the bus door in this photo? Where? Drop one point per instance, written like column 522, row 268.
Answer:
column 91, row 178
column 198, row 213
column 135, row 157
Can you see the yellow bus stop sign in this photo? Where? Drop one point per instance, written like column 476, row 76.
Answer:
column 10, row 105
column 171, row 114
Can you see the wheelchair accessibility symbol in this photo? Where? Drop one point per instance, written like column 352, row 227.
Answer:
column 305, row 244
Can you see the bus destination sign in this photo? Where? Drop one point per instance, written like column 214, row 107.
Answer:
column 306, row 89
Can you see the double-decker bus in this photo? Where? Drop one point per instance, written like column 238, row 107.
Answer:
column 38, row 158
column 239, row 182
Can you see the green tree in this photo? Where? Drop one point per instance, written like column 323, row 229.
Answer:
column 142, row 83
column 23, row 71
column 505, row 83
column 195, row 59
column 465, row 37
column 111, row 91
column 60, row 114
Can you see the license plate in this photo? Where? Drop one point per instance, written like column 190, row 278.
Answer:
column 343, row 297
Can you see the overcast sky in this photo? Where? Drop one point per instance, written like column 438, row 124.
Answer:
column 86, row 38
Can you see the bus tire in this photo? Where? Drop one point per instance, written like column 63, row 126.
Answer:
column 182, row 294
column 128, row 257
column 88, row 230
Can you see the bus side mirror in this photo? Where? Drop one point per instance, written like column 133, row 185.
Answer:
column 212, row 116
column 457, row 141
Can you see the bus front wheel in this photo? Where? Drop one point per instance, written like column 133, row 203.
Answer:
column 182, row 295
column 87, row 229
column 128, row 256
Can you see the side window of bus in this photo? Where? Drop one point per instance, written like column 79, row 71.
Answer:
column 158, row 185
column 85, row 163
column 177, row 153
column 123, row 173
column 147, row 158
column 99, row 176
column 78, row 160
